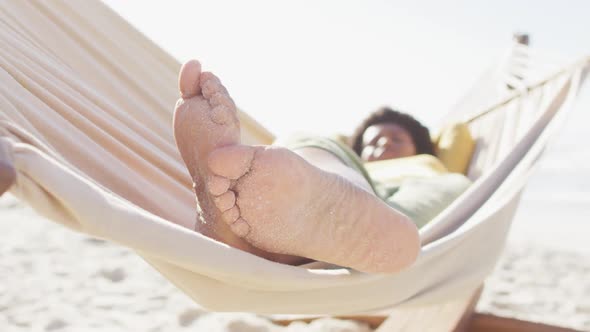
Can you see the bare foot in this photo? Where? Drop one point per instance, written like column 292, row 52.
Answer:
column 205, row 118
column 286, row 205
column 276, row 200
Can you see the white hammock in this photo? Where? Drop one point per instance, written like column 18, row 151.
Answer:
column 85, row 117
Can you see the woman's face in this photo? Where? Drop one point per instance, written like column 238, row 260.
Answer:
column 387, row 141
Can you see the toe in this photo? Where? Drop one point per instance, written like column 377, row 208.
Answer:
column 221, row 115
column 225, row 201
column 231, row 215
column 188, row 79
column 231, row 162
column 221, row 98
column 218, row 185
column 210, row 85
column 240, row 227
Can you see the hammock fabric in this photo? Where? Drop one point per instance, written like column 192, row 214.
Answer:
column 85, row 118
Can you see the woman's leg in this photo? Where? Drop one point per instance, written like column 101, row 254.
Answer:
column 328, row 162
column 277, row 203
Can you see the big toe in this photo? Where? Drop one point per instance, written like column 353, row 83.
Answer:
column 188, row 79
column 231, row 162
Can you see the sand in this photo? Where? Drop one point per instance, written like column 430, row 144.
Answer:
column 540, row 285
column 54, row 279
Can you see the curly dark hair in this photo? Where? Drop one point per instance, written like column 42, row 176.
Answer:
column 420, row 134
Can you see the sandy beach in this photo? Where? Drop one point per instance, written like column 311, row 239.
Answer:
column 54, row 279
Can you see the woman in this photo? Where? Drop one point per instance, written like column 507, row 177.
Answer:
column 388, row 134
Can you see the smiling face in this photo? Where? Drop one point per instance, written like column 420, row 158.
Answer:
column 386, row 141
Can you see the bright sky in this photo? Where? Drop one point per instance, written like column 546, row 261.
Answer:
column 321, row 66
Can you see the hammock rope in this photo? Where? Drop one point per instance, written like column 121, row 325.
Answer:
column 527, row 89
